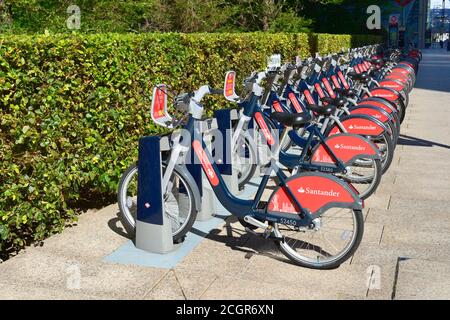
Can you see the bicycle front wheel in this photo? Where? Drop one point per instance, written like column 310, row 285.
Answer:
column 179, row 204
column 335, row 239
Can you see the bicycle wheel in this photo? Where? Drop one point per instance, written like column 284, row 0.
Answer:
column 335, row 240
column 179, row 205
column 385, row 145
column 364, row 178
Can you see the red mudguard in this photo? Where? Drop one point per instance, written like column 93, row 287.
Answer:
column 377, row 103
column 316, row 192
column 392, row 84
column 373, row 112
column 398, row 77
column 386, row 93
column 346, row 147
column 360, row 125
column 402, row 70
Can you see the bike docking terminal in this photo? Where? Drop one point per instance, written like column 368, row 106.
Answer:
column 153, row 245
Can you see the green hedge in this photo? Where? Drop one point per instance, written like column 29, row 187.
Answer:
column 72, row 108
column 329, row 43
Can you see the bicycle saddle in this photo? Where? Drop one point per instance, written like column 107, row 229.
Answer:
column 351, row 93
column 338, row 102
column 375, row 60
column 364, row 77
column 294, row 120
column 322, row 110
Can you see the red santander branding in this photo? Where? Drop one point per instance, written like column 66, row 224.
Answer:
column 343, row 80
column 312, row 192
column 264, row 128
column 397, row 76
column 309, row 97
column 371, row 112
column 376, row 104
column 392, row 85
column 277, row 106
column 319, row 90
column 295, row 102
column 335, row 81
column 328, row 87
column 383, row 93
column 345, row 147
column 359, row 126
column 401, row 70
column 206, row 164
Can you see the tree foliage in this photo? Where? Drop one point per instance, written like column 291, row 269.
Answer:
column 97, row 16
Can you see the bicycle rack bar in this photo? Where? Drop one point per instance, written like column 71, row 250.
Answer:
column 153, row 228
column 225, row 119
column 209, row 204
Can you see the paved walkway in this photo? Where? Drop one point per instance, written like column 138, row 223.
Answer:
column 405, row 253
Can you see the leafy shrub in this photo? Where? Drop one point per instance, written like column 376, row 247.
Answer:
column 329, row 43
column 72, row 108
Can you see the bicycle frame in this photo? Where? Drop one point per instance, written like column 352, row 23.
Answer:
column 251, row 109
column 238, row 207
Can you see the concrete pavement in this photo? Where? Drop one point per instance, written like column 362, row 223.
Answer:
column 405, row 253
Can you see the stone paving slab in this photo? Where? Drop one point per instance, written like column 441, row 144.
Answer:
column 423, row 279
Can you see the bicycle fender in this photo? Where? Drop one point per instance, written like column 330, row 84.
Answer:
column 392, row 84
column 386, row 93
column 398, row 77
column 384, row 104
column 372, row 111
column 346, row 147
column 315, row 192
column 360, row 124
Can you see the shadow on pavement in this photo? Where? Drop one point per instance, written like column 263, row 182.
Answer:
column 405, row 140
column 116, row 226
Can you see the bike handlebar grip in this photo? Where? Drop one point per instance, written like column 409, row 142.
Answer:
column 182, row 107
column 216, row 91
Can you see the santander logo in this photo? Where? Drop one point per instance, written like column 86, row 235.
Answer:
column 344, row 147
column 369, row 127
column 388, row 96
column 316, row 192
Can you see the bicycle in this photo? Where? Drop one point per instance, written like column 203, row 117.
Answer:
column 296, row 215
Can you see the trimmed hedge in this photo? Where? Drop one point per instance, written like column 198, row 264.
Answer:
column 329, row 43
column 72, row 108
